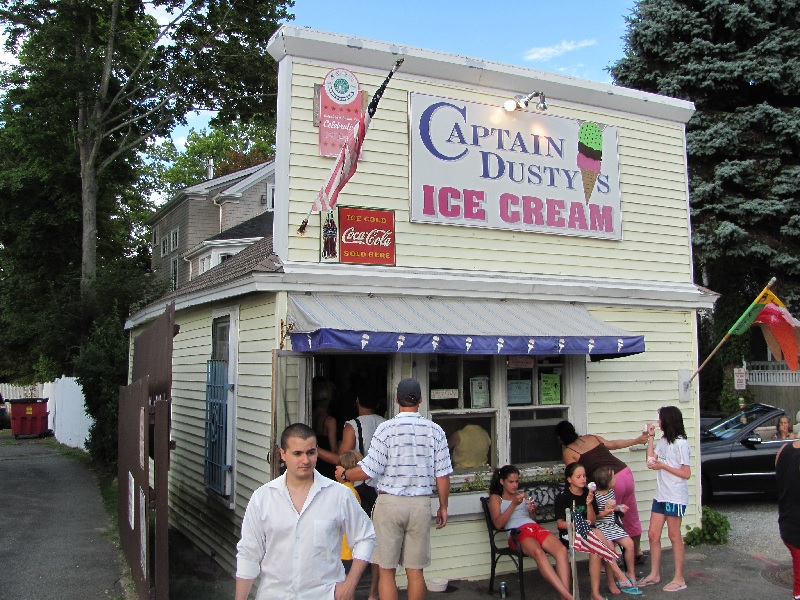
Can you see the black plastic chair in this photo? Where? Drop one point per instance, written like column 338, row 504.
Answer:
column 503, row 549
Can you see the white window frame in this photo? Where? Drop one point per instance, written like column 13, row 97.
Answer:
column 174, row 265
column 268, row 199
column 174, row 239
column 205, row 264
column 164, row 246
column 573, row 400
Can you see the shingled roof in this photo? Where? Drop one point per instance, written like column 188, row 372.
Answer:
column 257, row 258
column 257, row 227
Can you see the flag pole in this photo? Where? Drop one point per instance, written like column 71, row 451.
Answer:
column 573, row 564
column 727, row 336
column 373, row 106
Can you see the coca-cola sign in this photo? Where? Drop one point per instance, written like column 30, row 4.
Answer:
column 366, row 236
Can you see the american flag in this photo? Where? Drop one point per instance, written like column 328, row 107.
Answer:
column 344, row 168
column 347, row 162
column 587, row 541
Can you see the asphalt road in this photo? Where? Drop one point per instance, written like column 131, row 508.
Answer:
column 54, row 542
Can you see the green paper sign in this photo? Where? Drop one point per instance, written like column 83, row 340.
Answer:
column 550, row 386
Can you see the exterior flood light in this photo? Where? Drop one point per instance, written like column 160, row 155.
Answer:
column 520, row 102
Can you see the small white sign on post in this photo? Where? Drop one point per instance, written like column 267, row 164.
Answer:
column 740, row 378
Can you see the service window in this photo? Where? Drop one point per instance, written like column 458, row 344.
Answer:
column 535, row 393
column 461, row 402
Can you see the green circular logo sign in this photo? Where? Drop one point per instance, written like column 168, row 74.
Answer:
column 341, row 86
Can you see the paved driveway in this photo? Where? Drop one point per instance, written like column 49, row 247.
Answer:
column 53, row 540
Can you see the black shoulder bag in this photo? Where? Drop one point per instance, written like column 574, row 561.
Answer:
column 367, row 493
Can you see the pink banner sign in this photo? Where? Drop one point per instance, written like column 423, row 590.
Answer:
column 340, row 108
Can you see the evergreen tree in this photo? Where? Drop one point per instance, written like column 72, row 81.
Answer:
column 739, row 62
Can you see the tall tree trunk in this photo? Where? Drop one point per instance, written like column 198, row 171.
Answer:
column 89, row 188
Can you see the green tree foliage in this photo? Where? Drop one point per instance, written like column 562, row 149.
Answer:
column 102, row 367
column 40, row 233
column 738, row 62
column 232, row 147
column 121, row 78
column 95, row 82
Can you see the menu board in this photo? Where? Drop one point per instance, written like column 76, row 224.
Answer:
column 519, row 392
column 479, row 392
column 550, row 388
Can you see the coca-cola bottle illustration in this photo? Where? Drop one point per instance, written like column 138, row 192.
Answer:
column 329, row 235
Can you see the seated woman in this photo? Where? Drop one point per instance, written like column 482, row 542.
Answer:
column 783, row 429
column 510, row 509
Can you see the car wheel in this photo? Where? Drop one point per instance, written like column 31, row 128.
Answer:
column 707, row 492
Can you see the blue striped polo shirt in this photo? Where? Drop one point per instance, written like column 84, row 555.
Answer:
column 406, row 455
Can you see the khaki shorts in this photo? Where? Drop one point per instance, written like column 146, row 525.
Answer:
column 403, row 528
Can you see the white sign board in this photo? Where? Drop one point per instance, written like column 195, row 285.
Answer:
column 740, row 378
column 477, row 165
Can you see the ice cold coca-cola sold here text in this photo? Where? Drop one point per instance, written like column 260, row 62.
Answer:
column 374, row 237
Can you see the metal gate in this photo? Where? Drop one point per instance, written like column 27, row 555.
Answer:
column 143, row 464
column 217, row 387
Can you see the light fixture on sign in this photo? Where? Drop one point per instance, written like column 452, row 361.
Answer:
column 520, row 102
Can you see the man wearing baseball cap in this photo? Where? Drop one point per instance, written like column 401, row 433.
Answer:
column 408, row 455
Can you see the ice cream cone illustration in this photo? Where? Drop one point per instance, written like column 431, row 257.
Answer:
column 590, row 155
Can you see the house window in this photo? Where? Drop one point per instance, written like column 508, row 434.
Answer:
column 535, row 396
column 164, row 246
column 174, row 239
column 460, row 395
column 205, row 264
column 268, row 199
column 517, row 401
column 174, row 273
column 220, row 374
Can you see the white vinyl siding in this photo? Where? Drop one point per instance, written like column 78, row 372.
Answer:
column 655, row 242
column 215, row 528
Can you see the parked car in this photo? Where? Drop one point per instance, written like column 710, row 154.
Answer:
column 737, row 453
column 710, row 417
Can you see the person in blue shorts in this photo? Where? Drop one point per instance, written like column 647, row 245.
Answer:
column 671, row 458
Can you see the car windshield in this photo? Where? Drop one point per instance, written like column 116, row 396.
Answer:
column 731, row 425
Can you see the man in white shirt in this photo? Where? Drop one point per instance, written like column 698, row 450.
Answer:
column 292, row 531
column 407, row 456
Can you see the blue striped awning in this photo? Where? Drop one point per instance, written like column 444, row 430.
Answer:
column 418, row 324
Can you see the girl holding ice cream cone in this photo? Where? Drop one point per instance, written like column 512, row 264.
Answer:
column 671, row 459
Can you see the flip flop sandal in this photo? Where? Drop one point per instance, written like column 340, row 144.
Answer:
column 629, row 587
column 674, row 587
column 643, row 583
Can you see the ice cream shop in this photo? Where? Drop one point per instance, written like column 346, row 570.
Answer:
column 516, row 240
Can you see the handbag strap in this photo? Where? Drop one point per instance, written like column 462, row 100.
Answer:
column 360, row 436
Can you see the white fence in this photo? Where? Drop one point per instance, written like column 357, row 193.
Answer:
column 66, row 408
column 773, row 372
